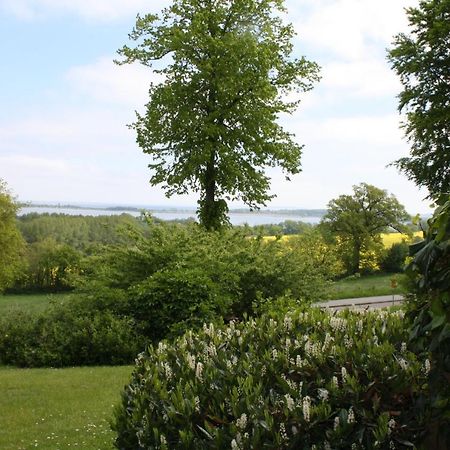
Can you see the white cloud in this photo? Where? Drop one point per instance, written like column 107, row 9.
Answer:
column 14, row 163
column 368, row 130
column 349, row 29
column 37, row 128
column 107, row 82
column 68, row 131
column 102, row 10
column 363, row 78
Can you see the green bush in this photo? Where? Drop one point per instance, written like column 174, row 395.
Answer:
column 174, row 300
column 308, row 379
column 176, row 277
column 65, row 335
column 394, row 258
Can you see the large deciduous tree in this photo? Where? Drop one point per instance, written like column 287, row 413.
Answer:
column 422, row 60
column 211, row 124
column 11, row 242
column 359, row 219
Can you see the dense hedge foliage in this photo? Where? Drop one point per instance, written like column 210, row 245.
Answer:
column 74, row 333
column 308, row 379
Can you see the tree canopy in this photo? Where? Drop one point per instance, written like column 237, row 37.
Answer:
column 422, row 60
column 11, row 242
column 211, row 124
column 359, row 219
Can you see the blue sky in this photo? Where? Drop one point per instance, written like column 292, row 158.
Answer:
column 65, row 105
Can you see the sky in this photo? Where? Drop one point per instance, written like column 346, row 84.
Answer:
column 64, row 105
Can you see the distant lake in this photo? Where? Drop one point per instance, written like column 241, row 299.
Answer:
column 236, row 218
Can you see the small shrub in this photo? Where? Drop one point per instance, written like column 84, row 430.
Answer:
column 174, row 300
column 394, row 258
column 307, row 379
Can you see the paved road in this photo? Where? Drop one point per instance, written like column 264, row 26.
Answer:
column 364, row 302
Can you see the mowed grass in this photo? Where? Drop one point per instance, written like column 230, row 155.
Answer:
column 30, row 302
column 59, row 408
column 366, row 286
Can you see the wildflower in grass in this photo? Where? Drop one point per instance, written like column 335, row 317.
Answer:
column 163, row 440
column 344, row 374
column 234, row 445
column 274, row 354
column 326, row 446
column 197, row 404
column 403, row 347
column 391, row 445
column 307, row 408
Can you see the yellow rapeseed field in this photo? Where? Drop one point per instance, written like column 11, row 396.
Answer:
column 393, row 238
column 388, row 238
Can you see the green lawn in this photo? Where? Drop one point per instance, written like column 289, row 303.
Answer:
column 59, row 408
column 29, row 302
column 365, row 286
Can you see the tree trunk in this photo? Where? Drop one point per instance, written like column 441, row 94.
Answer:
column 208, row 214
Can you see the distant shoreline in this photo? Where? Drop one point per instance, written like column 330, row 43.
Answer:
column 187, row 210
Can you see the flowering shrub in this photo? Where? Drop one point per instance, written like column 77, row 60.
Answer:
column 429, row 309
column 306, row 379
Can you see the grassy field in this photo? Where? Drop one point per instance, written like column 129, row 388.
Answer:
column 365, row 286
column 59, row 408
column 31, row 302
